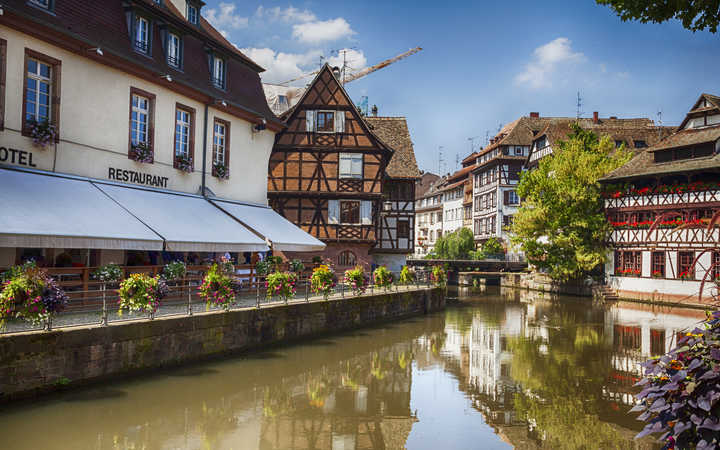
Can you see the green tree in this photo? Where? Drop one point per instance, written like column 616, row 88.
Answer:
column 460, row 244
column 492, row 247
column 561, row 226
column 694, row 15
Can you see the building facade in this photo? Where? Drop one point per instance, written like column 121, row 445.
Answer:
column 136, row 94
column 429, row 219
column 660, row 206
column 396, row 225
column 327, row 170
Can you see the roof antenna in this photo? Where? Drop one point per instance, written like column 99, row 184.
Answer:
column 441, row 161
column 659, row 121
column 578, row 111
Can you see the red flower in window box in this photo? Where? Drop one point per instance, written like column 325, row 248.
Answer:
column 657, row 274
column 685, row 276
column 617, row 194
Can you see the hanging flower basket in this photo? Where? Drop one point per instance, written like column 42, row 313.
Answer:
column 221, row 171
column 30, row 294
column 407, row 276
column 355, row 279
column 141, row 152
column 141, row 292
column 42, row 133
column 109, row 273
column 438, row 276
column 322, row 280
column 281, row 284
column 174, row 271
column 184, row 163
column 217, row 288
column 382, row 277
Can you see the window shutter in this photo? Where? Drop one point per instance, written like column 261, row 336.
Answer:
column 345, row 165
column 333, row 206
column 506, row 197
column 310, row 121
column 357, row 161
column 366, row 212
column 339, row 121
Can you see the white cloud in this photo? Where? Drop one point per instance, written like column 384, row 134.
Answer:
column 546, row 59
column 322, row 31
column 280, row 66
column 288, row 15
column 355, row 59
column 225, row 17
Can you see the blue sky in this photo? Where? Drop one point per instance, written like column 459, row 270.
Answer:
column 483, row 64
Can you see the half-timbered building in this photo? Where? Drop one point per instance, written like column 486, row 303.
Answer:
column 396, row 224
column 327, row 170
column 660, row 205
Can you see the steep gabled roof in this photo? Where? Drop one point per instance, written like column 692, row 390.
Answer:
column 395, row 133
column 713, row 102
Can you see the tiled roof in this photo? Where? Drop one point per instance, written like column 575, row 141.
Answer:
column 626, row 130
column 690, row 136
column 643, row 164
column 103, row 24
column 394, row 132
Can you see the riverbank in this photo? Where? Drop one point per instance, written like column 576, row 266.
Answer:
column 34, row 363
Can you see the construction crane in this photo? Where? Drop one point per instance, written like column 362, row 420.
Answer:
column 363, row 72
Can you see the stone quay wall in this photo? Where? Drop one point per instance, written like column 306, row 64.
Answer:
column 541, row 282
column 34, row 363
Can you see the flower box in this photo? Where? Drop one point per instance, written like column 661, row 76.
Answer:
column 142, row 153
column 42, row 133
column 184, row 163
column 221, row 171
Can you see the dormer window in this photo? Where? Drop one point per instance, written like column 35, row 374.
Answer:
column 142, row 35
column 192, row 14
column 173, row 50
column 218, row 73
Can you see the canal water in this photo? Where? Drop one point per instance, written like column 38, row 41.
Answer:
column 498, row 369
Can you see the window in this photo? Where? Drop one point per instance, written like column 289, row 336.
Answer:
column 38, row 92
column 519, row 151
column 192, row 14
column 139, row 119
column 350, row 212
column 221, row 144
column 507, row 221
column 640, row 144
column 716, row 265
column 657, row 269
column 173, row 50
column 685, row 269
column 218, row 75
column 657, row 342
column 142, row 34
column 325, row 121
column 618, row 143
column 511, row 198
column 45, row 4
column 184, row 134
column 350, row 165
column 282, row 101
column 346, row 258
column 403, row 229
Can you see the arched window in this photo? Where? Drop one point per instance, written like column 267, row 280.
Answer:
column 347, row 258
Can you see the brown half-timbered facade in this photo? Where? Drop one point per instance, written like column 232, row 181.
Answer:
column 327, row 170
column 660, row 205
column 396, row 224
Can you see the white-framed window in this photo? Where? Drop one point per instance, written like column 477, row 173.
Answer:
column 350, row 165
column 139, row 120
column 519, row 151
column 218, row 72
column 219, row 143
column 45, row 4
column 173, row 50
column 39, row 91
column 513, row 198
column 182, row 133
column 325, row 121
column 192, row 14
column 142, row 34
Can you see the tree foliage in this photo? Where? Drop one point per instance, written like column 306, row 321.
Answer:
column 492, row 247
column 561, row 226
column 694, row 15
column 460, row 244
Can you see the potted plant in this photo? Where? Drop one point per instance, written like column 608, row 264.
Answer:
column 141, row 292
column 296, row 266
column 281, row 284
column 657, row 274
column 42, row 132
column 355, row 279
column 262, row 268
column 322, row 281
column 184, row 163
column 438, row 276
column 217, row 288
column 686, row 275
column 108, row 274
column 220, row 170
column 141, row 152
column 174, row 271
column 382, row 277
column 30, row 294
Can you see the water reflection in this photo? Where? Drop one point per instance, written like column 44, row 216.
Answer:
column 501, row 368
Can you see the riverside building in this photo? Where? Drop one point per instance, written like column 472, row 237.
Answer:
column 660, row 205
column 128, row 128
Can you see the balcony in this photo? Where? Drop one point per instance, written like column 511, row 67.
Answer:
column 539, row 154
column 665, row 237
column 663, row 199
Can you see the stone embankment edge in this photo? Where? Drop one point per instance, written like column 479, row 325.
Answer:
column 36, row 363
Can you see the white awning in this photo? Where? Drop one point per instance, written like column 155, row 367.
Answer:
column 283, row 234
column 186, row 222
column 46, row 211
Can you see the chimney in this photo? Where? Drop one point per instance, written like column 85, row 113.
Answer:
column 534, row 114
column 613, row 117
column 595, row 117
column 374, row 110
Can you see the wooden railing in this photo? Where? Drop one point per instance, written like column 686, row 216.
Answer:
column 663, row 199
